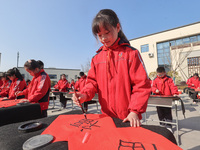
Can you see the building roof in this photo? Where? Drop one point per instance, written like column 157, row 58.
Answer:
column 165, row 30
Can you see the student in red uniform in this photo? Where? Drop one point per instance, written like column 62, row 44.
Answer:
column 117, row 73
column 164, row 85
column 4, row 89
column 72, row 84
column 40, row 86
column 62, row 86
column 193, row 83
column 76, row 83
column 18, row 82
column 80, row 85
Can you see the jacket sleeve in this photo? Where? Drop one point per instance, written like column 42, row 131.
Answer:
column 90, row 87
column 64, row 86
column 173, row 87
column 16, row 87
column 189, row 82
column 25, row 92
column 42, row 88
column 140, row 84
column 56, row 86
column 154, row 86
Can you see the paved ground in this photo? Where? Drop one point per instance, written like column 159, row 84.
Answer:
column 189, row 128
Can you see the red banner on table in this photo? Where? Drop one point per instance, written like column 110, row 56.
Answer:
column 65, row 125
column 8, row 103
column 128, row 138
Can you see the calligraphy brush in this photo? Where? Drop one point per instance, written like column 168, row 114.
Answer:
column 80, row 104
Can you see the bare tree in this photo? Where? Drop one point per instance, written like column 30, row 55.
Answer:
column 86, row 67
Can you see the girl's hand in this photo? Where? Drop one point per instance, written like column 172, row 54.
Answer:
column 23, row 101
column 133, row 119
column 79, row 98
column 157, row 91
column 18, row 93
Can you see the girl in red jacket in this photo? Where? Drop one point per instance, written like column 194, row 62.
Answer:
column 164, row 85
column 62, row 86
column 18, row 82
column 4, row 89
column 39, row 88
column 80, row 85
column 117, row 73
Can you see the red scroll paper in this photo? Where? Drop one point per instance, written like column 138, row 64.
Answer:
column 128, row 138
column 8, row 103
column 65, row 125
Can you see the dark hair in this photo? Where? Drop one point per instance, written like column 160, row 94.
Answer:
column 81, row 74
column 106, row 17
column 31, row 65
column 160, row 69
column 41, row 64
column 14, row 71
column 28, row 80
column 196, row 74
column 3, row 75
column 63, row 75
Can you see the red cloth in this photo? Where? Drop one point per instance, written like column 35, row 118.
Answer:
column 38, row 90
column 9, row 103
column 16, row 85
column 62, row 85
column 81, row 83
column 165, row 85
column 121, row 80
column 65, row 125
column 193, row 83
column 5, row 88
column 128, row 138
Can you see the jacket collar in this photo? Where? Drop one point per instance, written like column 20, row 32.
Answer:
column 37, row 74
column 118, row 42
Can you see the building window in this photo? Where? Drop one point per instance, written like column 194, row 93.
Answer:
column 179, row 42
column 144, row 48
column 186, row 40
column 52, row 76
column 198, row 37
column 193, row 65
column 193, row 39
column 163, row 54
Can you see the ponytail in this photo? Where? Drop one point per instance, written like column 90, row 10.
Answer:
column 14, row 71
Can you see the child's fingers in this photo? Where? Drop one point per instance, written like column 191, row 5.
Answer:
column 75, row 99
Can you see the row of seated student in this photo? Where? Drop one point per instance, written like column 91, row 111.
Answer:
column 164, row 85
column 63, row 86
column 36, row 92
column 193, row 84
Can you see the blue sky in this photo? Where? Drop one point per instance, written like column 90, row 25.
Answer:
column 58, row 32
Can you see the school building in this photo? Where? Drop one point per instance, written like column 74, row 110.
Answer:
column 54, row 74
column 176, row 49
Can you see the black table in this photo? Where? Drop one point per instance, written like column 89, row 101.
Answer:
column 17, row 113
column 12, row 139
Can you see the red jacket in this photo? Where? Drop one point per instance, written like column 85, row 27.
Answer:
column 38, row 90
column 165, row 85
column 81, row 83
column 62, row 85
column 72, row 84
column 118, row 75
column 5, row 88
column 16, row 85
column 192, row 81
